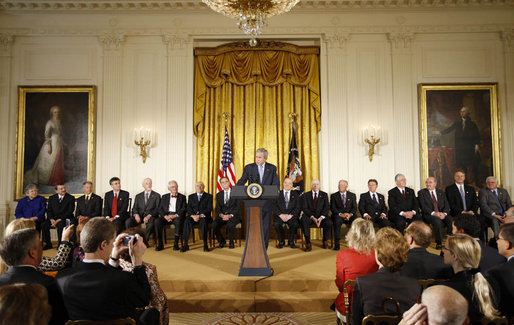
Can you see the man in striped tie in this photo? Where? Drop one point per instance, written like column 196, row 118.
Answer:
column 435, row 209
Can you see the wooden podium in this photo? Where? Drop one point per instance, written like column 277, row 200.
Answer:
column 255, row 258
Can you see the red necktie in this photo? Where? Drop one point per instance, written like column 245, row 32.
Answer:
column 114, row 211
column 403, row 194
column 315, row 200
column 434, row 201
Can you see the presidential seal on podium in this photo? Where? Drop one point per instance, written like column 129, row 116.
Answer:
column 254, row 190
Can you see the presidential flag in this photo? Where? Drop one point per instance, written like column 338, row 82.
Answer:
column 226, row 164
column 294, row 170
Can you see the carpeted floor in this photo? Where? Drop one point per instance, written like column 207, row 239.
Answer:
column 252, row 319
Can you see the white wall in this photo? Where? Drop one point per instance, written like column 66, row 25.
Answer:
column 142, row 64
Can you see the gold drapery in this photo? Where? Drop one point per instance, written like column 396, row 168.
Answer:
column 259, row 88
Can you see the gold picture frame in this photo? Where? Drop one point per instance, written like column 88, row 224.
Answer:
column 453, row 137
column 55, row 139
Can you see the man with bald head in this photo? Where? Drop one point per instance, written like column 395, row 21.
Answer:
column 435, row 209
column 440, row 305
column 315, row 212
column 145, row 209
column 172, row 210
column 403, row 205
column 199, row 208
column 287, row 211
column 420, row 263
column 494, row 203
column 343, row 205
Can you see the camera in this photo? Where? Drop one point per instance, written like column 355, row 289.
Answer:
column 127, row 239
column 68, row 222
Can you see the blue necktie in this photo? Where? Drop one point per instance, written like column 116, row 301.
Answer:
column 463, row 197
column 499, row 203
column 261, row 173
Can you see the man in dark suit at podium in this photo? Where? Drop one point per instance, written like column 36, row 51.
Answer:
column 372, row 205
column 61, row 206
column 287, row 211
column 265, row 174
column 116, row 205
column 315, row 212
column 227, row 213
column 199, row 208
column 172, row 210
column 343, row 205
column 403, row 205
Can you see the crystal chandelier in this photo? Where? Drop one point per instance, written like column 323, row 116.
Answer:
column 251, row 14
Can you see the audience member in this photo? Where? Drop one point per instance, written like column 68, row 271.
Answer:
column 462, row 253
column 315, row 212
column 440, row 305
column 435, row 209
column 391, row 251
column 94, row 290
column 172, row 211
column 25, row 304
column 158, row 299
column 403, row 205
column 89, row 206
column 22, row 251
column 33, row 207
column 145, row 209
column 116, row 203
column 502, row 276
column 420, row 263
column 358, row 259
column 494, row 203
column 372, row 205
column 199, row 208
column 343, row 206
column 469, row 225
column 227, row 213
column 48, row 264
column 286, row 211
column 60, row 209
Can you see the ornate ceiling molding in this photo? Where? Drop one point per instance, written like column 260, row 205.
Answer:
column 195, row 5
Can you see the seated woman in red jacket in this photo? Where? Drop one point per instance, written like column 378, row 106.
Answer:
column 358, row 259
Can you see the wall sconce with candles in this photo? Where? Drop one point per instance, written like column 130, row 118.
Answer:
column 143, row 138
column 372, row 136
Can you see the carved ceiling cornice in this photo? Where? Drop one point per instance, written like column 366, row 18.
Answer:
column 198, row 5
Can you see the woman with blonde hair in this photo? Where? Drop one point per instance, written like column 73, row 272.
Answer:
column 370, row 290
column 358, row 259
column 25, row 304
column 463, row 253
column 48, row 264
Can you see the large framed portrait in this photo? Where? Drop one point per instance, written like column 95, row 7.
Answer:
column 460, row 130
column 56, row 138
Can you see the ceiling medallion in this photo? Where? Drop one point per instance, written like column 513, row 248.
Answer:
column 251, row 14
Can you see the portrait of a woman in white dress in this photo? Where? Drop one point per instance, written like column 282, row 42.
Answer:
column 48, row 168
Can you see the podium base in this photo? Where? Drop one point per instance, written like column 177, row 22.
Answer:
column 247, row 271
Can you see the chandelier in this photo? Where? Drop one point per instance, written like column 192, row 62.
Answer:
column 251, row 14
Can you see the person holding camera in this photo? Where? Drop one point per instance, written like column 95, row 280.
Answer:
column 97, row 288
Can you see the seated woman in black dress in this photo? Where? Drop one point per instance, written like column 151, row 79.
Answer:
column 462, row 253
column 391, row 254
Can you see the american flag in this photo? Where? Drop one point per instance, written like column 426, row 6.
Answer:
column 226, row 164
column 294, row 171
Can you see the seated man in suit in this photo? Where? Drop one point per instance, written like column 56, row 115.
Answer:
column 172, row 210
column 89, row 206
column 97, row 288
column 116, row 204
column 227, row 213
column 343, row 205
column 469, row 225
column 420, row 263
column 494, row 202
column 502, row 276
column 435, row 209
column 61, row 206
column 461, row 197
column 145, row 209
column 199, row 208
column 287, row 211
column 22, row 251
column 33, row 207
column 403, row 205
column 315, row 210
column 372, row 205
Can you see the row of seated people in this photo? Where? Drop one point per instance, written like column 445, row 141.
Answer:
column 436, row 207
column 107, row 280
column 389, row 265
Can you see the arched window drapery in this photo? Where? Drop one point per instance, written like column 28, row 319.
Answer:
column 259, row 87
